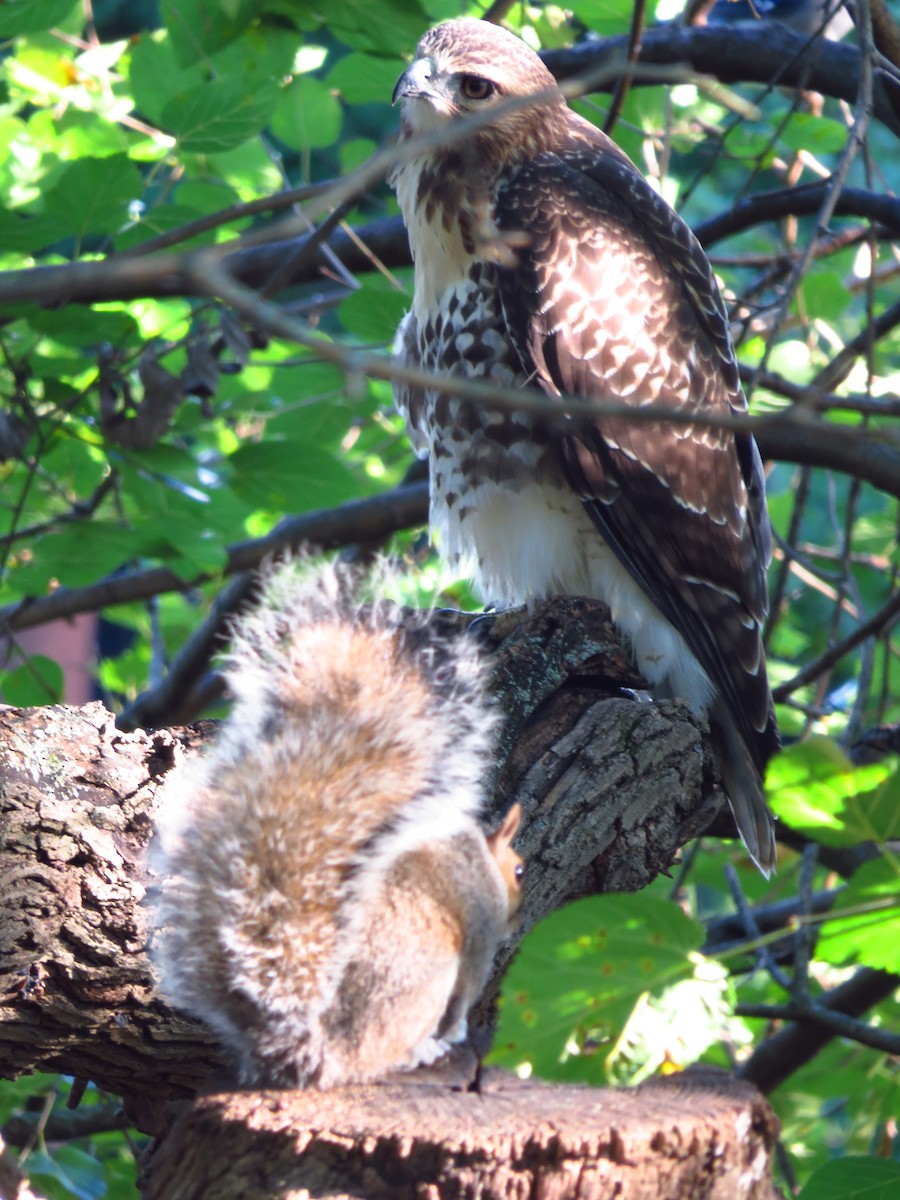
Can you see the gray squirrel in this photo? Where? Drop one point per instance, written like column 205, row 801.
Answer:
column 330, row 904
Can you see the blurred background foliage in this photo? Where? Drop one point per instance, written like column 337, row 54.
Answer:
column 154, row 432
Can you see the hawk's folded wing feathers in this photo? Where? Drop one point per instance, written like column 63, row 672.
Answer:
column 610, row 301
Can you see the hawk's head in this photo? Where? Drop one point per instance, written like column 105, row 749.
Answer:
column 469, row 66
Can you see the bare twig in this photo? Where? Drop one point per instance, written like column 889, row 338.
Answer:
column 780, row 1056
column 635, row 33
column 836, row 1023
column 878, row 624
column 752, row 930
column 805, row 936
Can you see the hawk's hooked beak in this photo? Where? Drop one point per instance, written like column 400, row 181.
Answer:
column 414, row 81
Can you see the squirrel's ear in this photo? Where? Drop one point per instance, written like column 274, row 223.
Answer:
column 502, row 837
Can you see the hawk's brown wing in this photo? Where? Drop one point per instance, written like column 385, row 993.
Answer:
column 613, row 300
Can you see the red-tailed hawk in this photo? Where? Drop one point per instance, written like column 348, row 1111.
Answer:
column 544, row 259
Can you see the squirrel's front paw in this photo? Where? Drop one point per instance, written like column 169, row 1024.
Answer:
column 429, row 1050
column 457, row 1033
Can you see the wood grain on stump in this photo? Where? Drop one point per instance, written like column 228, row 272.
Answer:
column 696, row 1136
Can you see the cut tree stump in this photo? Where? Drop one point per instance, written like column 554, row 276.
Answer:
column 700, row 1135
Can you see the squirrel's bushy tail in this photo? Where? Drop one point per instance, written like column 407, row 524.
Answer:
column 354, row 739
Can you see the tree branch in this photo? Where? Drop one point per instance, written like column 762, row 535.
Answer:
column 76, row 798
column 879, row 624
column 778, row 1057
column 327, row 529
column 764, row 52
column 802, row 201
column 124, row 277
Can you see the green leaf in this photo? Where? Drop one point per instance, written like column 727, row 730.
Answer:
column 322, row 423
column 824, row 295
column 79, row 1173
column 854, row 1178
column 157, row 78
column 65, row 556
column 578, row 975
column 30, row 16
column 820, row 135
column 219, row 115
column 871, row 933
column 388, row 27
column 308, row 116
column 173, row 515
column 85, row 328
column 365, row 78
column 92, row 195
column 606, row 17
column 289, row 476
column 264, row 54
column 75, row 465
column 24, row 233
column 198, row 28
column 815, row 788
column 372, row 313
column 74, row 134
column 354, row 152
column 40, row 680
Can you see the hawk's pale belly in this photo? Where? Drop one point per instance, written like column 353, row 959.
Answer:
column 499, row 504
column 543, row 259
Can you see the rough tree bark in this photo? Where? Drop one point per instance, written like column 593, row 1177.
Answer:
column 698, row 1136
column 611, row 785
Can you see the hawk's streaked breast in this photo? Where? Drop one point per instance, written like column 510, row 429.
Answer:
column 543, row 259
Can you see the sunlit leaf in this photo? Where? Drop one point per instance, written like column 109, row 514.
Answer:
column 815, row 788
column 673, row 1029
column 870, row 932
column 578, row 975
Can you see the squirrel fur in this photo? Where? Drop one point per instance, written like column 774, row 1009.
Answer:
column 331, row 905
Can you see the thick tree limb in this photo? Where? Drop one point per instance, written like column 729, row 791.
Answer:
column 611, row 788
column 798, row 202
column 763, row 52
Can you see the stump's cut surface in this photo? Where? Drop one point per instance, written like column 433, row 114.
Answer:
column 696, row 1136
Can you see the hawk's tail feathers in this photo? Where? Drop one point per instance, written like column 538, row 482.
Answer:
column 744, row 788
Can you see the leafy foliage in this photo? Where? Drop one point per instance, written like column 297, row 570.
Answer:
column 152, row 428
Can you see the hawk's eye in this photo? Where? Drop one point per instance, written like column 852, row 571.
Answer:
column 474, row 87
